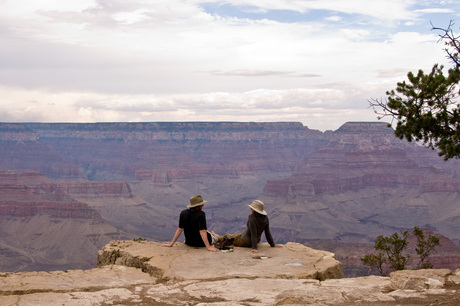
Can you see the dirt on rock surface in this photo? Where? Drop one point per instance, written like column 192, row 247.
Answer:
column 161, row 278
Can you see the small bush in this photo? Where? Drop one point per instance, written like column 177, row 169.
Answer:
column 390, row 251
column 425, row 246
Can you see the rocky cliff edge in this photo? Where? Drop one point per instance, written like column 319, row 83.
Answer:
column 144, row 273
column 181, row 262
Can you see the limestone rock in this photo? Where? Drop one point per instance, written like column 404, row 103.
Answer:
column 144, row 273
column 293, row 261
column 420, row 279
column 120, row 285
column 455, row 277
column 73, row 287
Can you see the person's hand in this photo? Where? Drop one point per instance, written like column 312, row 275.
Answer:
column 167, row 245
column 254, row 251
column 279, row 245
column 212, row 249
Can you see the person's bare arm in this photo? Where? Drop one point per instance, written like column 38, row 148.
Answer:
column 204, row 236
column 176, row 236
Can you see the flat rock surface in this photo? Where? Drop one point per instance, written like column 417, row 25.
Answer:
column 157, row 282
column 182, row 262
column 73, row 287
column 120, row 285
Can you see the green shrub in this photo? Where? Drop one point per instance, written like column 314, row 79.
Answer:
column 391, row 251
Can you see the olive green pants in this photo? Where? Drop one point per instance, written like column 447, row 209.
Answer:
column 240, row 240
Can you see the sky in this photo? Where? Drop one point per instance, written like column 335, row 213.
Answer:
column 317, row 62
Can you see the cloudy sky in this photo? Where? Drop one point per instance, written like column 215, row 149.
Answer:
column 311, row 61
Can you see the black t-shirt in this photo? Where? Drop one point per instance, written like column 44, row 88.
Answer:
column 192, row 221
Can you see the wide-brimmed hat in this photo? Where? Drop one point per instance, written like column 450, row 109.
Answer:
column 195, row 201
column 258, row 206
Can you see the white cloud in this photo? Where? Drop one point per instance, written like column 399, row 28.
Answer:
column 356, row 33
column 334, row 18
column 28, row 9
column 132, row 17
column 170, row 60
column 434, row 10
column 381, row 9
column 312, row 107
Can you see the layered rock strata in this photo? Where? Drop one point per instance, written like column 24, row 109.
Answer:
column 212, row 283
column 163, row 151
column 346, row 186
column 43, row 227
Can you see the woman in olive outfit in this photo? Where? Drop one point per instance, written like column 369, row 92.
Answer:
column 257, row 224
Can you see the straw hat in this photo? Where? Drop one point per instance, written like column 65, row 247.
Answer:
column 195, row 201
column 258, row 206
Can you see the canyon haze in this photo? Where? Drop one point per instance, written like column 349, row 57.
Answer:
column 67, row 189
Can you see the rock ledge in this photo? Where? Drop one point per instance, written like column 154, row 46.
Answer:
column 144, row 273
column 293, row 261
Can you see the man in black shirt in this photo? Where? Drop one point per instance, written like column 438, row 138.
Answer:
column 192, row 222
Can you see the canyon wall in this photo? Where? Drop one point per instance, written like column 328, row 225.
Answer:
column 343, row 186
column 370, row 181
column 163, row 151
column 43, row 226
